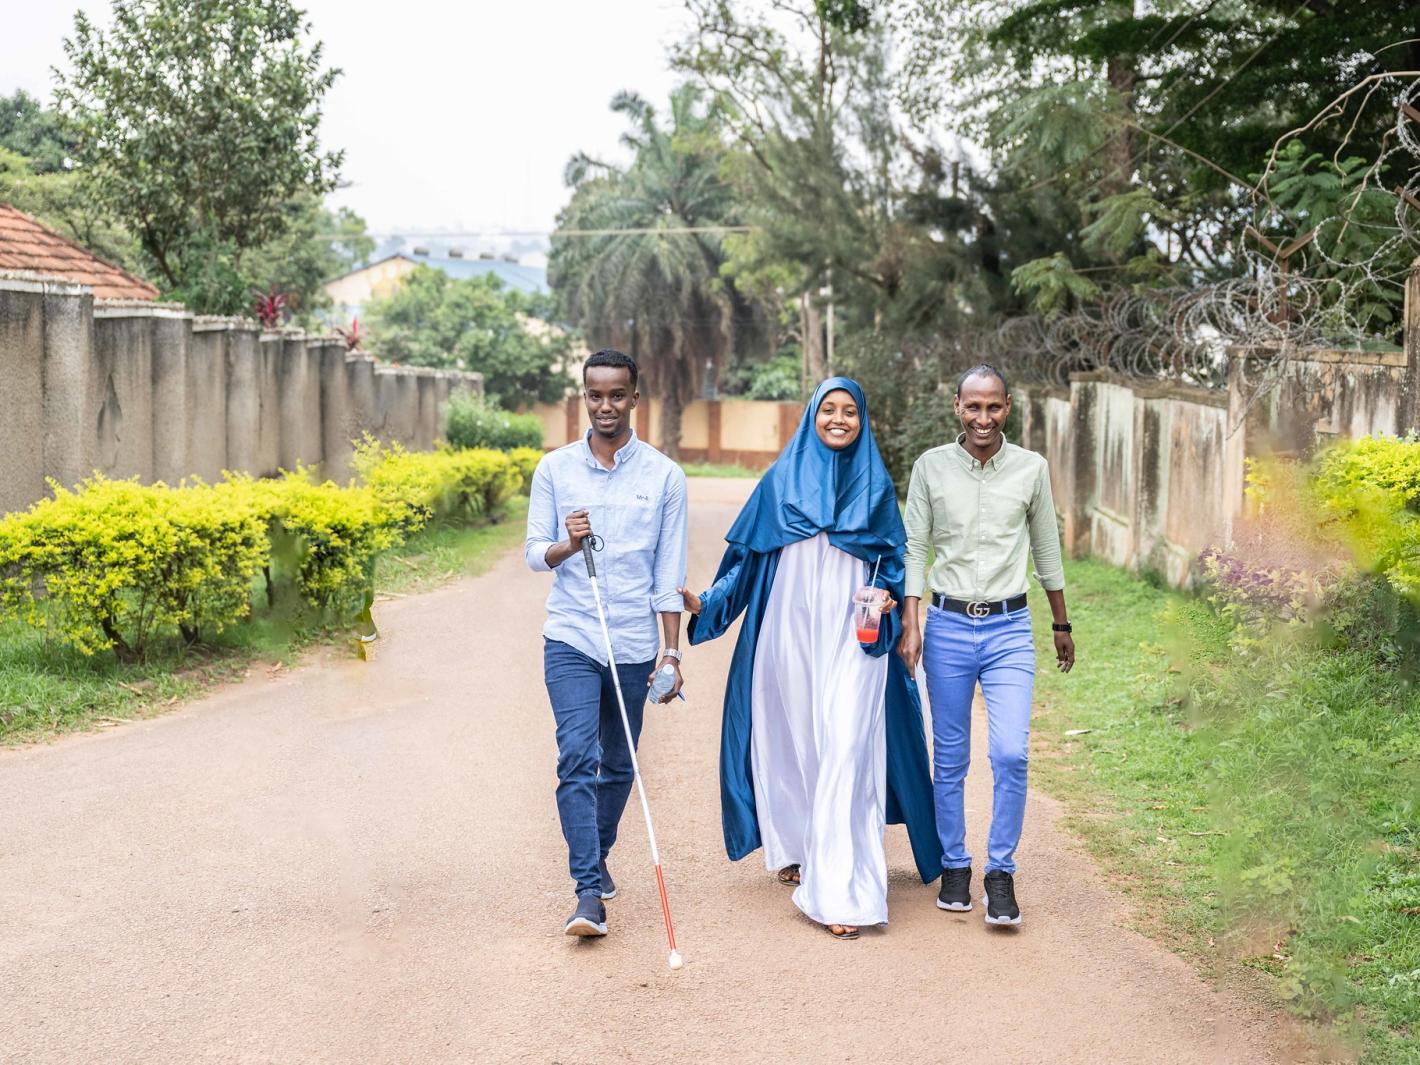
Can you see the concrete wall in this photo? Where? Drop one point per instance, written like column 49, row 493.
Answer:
column 147, row 390
column 1147, row 475
column 22, row 379
column 740, row 432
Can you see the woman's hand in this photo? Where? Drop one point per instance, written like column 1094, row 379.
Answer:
column 889, row 605
column 692, row 601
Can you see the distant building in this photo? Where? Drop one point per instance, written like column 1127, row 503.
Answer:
column 29, row 245
column 351, row 292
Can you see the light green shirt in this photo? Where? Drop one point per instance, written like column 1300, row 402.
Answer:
column 980, row 521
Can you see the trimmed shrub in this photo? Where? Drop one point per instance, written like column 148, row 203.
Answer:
column 472, row 422
column 1371, row 489
column 420, row 487
column 114, row 562
column 526, row 460
column 324, row 539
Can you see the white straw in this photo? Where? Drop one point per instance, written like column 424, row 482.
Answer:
column 874, row 582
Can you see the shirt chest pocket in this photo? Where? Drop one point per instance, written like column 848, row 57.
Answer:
column 632, row 519
column 1006, row 510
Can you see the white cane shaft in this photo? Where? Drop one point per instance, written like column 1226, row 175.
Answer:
column 626, row 725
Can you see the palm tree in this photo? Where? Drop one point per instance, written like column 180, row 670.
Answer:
column 649, row 281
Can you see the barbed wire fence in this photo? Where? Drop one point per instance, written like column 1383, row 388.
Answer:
column 1272, row 310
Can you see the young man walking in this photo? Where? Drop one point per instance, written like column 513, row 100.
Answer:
column 630, row 499
column 983, row 505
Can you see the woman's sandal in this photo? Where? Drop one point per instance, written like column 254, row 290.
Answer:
column 789, row 875
column 847, row 932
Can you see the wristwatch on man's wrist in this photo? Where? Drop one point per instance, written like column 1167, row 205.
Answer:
column 671, row 652
column 1062, row 626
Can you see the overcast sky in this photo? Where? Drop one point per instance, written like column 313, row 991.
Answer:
column 452, row 113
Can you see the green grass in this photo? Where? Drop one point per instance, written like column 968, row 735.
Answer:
column 47, row 689
column 1260, row 808
column 710, row 469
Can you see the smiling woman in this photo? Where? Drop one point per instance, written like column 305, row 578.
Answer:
column 822, row 736
column 837, row 420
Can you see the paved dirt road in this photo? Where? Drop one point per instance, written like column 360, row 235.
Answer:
column 361, row 862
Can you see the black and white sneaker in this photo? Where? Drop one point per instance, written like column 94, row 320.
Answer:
column 956, row 890
column 590, row 918
column 1000, row 898
column 608, row 884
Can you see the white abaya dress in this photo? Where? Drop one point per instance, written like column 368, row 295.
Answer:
column 818, row 747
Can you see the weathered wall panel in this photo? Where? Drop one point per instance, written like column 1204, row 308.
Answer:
column 22, row 379
column 131, row 388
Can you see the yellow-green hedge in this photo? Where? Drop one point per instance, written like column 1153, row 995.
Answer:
column 1370, row 489
column 110, row 565
column 447, row 484
column 111, row 562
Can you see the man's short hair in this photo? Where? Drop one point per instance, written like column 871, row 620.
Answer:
column 983, row 369
column 613, row 358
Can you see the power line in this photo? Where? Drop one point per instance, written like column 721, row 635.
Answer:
column 662, row 231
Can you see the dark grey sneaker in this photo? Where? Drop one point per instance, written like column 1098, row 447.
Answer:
column 956, row 890
column 608, row 884
column 1000, row 898
column 590, row 918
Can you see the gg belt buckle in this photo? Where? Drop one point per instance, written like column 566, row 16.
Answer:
column 978, row 610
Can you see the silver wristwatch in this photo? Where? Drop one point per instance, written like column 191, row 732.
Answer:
column 671, row 652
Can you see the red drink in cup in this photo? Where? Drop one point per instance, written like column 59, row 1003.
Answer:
column 868, row 606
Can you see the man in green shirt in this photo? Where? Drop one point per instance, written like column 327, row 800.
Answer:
column 982, row 505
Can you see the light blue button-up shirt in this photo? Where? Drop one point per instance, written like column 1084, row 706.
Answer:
column 638, row 509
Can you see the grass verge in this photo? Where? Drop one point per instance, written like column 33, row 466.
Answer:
column 1260, row 809
column 710, row 469
column 46, row 689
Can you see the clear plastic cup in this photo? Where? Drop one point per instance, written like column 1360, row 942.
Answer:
column 868, row 606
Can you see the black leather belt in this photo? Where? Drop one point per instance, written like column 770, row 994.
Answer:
column 978, row 609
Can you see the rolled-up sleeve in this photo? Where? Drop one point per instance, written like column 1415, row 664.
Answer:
column 918, row 519
column 542, row 520
column 668, row 570
column 1045, row 534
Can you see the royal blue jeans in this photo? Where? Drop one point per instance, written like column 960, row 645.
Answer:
column 594, row 773
column 957, row 653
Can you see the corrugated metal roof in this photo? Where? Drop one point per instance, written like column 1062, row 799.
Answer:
column 514, row 275
column 27, row 244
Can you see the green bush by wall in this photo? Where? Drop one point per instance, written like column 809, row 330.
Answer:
column 471, row 422
column 112, row 565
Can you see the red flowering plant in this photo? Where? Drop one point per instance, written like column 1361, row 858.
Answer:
column 352, row 336
column 271, row 307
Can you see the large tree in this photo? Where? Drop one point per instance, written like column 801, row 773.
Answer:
column 1144, row 128
column 318, row 243
column 197, row 125
column 475, row 324
column 30, row 129
column 640, row 268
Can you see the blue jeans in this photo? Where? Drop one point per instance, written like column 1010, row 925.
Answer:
column 594, row 774
column 958, row 651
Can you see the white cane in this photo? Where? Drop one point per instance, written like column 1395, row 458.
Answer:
column 674, row 959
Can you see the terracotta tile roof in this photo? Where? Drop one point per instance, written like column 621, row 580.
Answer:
column 26, row 244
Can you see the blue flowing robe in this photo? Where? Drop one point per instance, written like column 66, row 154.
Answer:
column 742, row 586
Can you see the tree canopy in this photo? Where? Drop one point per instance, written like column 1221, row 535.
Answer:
column 648, row 277
column 476, row 324
column 196, row 125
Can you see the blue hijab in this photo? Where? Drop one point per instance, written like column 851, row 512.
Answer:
column 811, row 488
